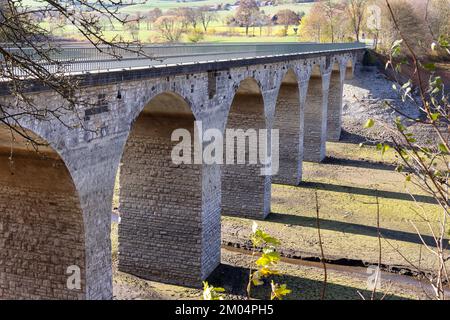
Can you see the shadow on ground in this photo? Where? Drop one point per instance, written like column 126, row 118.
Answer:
column 353, row 228
column 367, row 192
column 234, row 280
column 365, row 164
column 350, row 137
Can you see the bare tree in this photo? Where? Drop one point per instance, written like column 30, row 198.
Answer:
column 192, row 16
column 170, row 28
column 287, row 17
column 28, row 48
column 424, row 163
column 261, row 21
column 437, row 15
column 246, row 13
column 311, row 27
column 206, row 16
column 152, row 16
column 331, row 9
column 356, row 10
column 408, row 22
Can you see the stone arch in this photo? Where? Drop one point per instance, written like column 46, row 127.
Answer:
column 245, row 192
column 315, row 120
column 289, row 121
column 42, row 236
column 162, row 231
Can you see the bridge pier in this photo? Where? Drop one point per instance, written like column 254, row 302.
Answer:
column 170, row 227
column 245, row 191
column 334, row 118
column 315, row 133
column 289, row 121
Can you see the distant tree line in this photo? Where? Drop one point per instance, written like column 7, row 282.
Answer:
column 356, row 20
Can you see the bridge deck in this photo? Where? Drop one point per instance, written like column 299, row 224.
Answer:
column 82, row 59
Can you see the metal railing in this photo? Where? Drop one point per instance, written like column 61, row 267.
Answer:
column 81, row 59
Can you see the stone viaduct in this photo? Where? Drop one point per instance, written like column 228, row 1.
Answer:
column 55, row 205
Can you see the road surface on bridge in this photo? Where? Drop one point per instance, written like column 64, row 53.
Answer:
column 75, row 59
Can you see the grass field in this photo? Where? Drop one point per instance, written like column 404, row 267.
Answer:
column 170, row 4
column 218, row 31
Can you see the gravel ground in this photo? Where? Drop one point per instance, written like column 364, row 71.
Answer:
column 366, row 96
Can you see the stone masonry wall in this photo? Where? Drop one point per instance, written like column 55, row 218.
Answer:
column 244, row 189
column 288, row 118
column 160, row 236
column 41, row 229
column 334, row 118
column 315, row 121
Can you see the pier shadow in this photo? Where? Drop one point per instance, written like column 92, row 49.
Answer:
column 367, row 192
column 234, row 280
column 352, row 228
column 349, row 137
column 365, row 164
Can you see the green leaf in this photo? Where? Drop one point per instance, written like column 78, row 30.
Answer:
column 406, row 84
column 443, row 41
column 435, row 116
column 256, row 278
column 369, row 123
column 385, row 149
column 279, row 291
column 396, row 48
column 211, row 293
column 400, row 126
column 430, row 66
column 270, row 240
column 443, row 148
column 263, row 261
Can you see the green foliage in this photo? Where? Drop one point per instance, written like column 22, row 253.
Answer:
column 427, row 161
column 212, row 293
column 278, row 291
column 260, row 238
column 443, row 148
column 266, row 263
column 429, row 66
column 195, row 36
column 435, row 85
column 382, row 147
column 396, row 48
column 369, row 123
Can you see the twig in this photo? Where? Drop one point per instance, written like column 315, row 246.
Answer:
column 322, row 256
column 379, row 248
